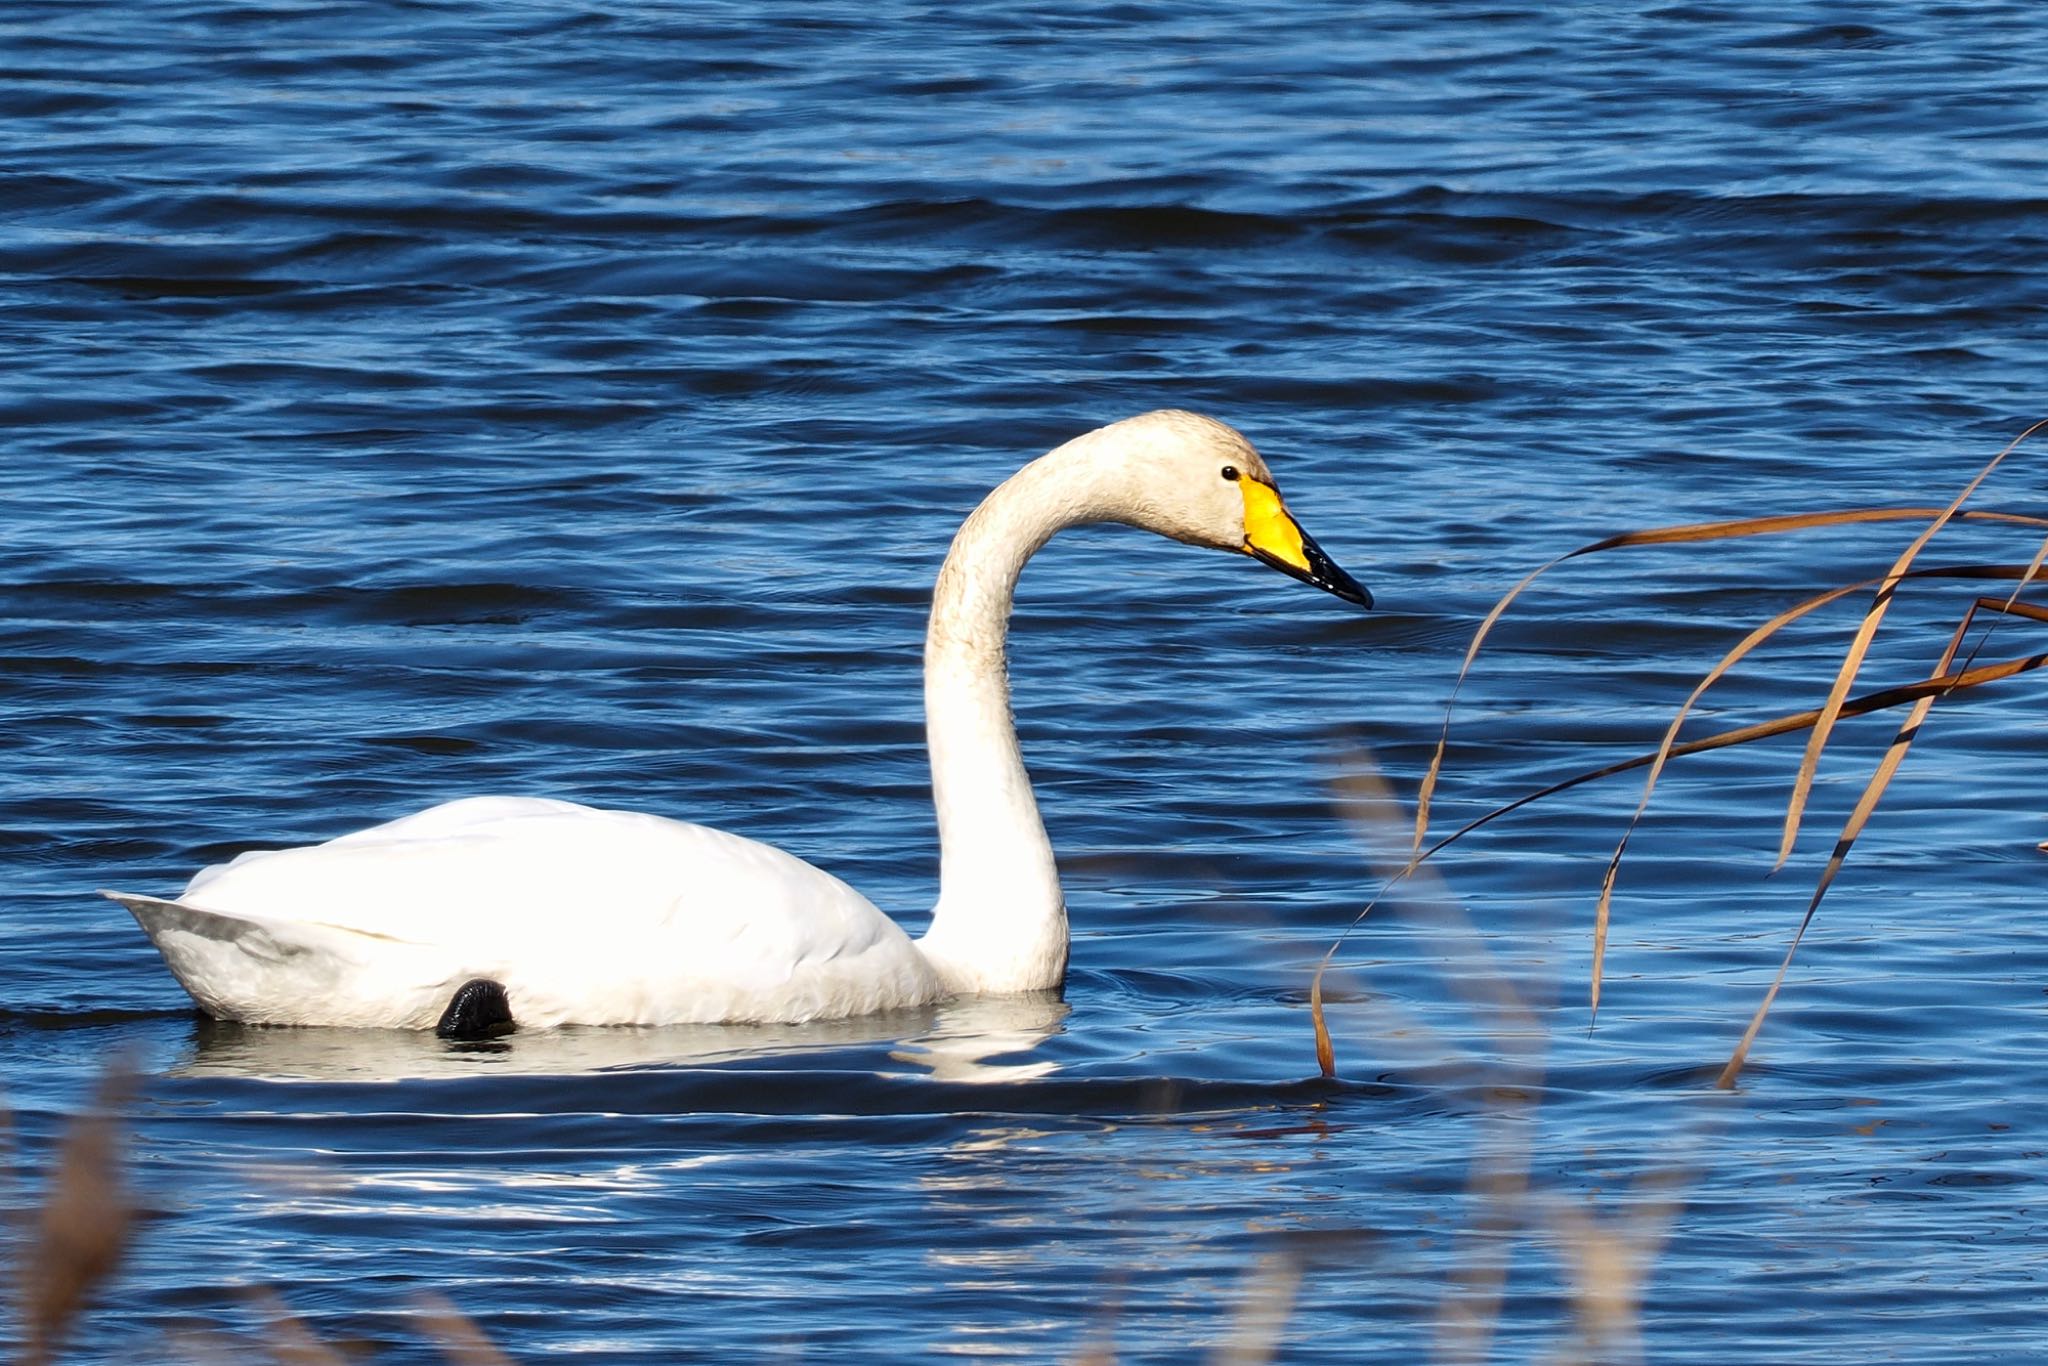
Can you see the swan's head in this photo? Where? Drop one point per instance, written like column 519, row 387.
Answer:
column 1194, row 479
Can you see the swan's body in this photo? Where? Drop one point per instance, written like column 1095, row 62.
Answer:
column 612, row 917
column 587, row 916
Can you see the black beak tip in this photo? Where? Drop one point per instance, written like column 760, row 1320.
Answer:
column 1321, row 572
column 1349, row 589
column 1324, row 574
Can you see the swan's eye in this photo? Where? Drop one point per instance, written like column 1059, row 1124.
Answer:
column 1230, row 473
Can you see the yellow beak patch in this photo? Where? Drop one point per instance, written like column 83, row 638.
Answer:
column 1269, row 532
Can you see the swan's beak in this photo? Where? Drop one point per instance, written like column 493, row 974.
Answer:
column 1271, row 534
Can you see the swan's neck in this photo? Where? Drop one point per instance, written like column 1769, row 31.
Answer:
column 1000, row 924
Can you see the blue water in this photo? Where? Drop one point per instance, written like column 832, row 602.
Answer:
column 409, row 400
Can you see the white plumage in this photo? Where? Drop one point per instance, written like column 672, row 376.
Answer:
column 586, row 916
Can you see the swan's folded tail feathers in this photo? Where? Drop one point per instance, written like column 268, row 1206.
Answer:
column 152, row 912
column 276, row 971
column 155, row 915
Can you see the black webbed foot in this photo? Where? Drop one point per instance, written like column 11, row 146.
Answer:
column 480, row 1009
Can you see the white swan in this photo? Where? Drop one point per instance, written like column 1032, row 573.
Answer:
column 570, row 914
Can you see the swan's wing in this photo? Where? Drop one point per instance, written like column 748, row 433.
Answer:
column 587, row 915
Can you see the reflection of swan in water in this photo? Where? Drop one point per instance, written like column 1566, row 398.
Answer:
column 948, row 1042
column 490, row 910
column 973, row 1029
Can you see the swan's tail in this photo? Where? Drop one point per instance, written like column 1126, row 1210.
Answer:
column 267, row 970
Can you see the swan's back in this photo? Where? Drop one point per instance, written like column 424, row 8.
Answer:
column 582, row 914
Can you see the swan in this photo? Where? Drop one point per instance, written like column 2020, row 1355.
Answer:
column 488, row 913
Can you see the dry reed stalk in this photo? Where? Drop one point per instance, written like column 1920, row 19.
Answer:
column 1606, row 1261
column 286, row 1336
column 1100, row 1349
column 1270, row 1292
column 1866, row 803
column 1368, row 799
column 1866, row 631
column 461, row 1340
column 84, row 1224
column 1498, row 1187
column 1326, row 1051
column 1881, row 700
column 1932, row 688
column 1669, row 745
column 1672, row 535
column 87, row 1219
column 1895, row 753
column 1820, row 722
column 1470, row 1308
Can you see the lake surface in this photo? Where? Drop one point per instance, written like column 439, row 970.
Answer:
column 403, row 401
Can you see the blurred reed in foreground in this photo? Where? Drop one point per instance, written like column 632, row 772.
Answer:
column 64, row 1251
column 75, row 1241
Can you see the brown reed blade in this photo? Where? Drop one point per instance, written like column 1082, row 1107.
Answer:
column 1259, row 1326
column 1604, row 907
column 461, row 1340
column 1498, row 1190
column 1671, row 535
column 1782, row 725
column 285, row 1335
column 1866, row 803
column 2009, row 606
column 1972, row 677
column 1609, row 1261
column 1761, row 730
column 1859, row 647
column 85, row 1223
column 1443, row 739
column 1326, row 1053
